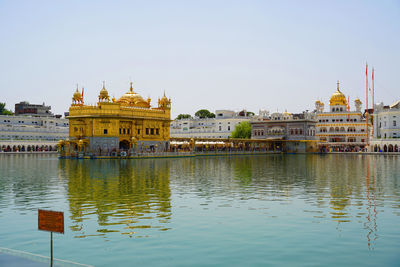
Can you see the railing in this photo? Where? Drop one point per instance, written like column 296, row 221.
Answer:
column 40, row 258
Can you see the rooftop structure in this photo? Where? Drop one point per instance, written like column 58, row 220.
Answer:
column 25, row 108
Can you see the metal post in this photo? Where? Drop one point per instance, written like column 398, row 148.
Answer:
column 51, row 249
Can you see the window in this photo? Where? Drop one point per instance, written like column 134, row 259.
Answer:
column 147, row 131
column 119, row 130
column 138, row 131
column 229, row 128
column 157, row 131
column 394, row 123
column 152, row 131
column 105, row 131
column 220, row 128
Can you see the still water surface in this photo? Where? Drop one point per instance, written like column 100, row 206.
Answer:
column 282, row 210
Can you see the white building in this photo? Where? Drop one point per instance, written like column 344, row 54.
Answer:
column 341, row 129
column 31, row 133
column 221, row 126
column 386, row 130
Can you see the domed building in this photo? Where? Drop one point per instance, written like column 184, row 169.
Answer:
column 341, row 129
column 117, row 127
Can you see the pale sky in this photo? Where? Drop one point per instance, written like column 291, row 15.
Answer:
column 274, row 55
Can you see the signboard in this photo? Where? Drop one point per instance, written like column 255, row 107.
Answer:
column 52, row 221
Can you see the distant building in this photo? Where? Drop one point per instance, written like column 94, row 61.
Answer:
column 221, row 126
column 340, row 129
column 299, row 129
column 386, row 130
column 24, row 108
column 31, row 133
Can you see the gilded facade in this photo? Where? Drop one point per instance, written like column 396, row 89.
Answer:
column 125, row 125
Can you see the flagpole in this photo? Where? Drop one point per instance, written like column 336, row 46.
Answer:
column 373, row 101
column 366, row 92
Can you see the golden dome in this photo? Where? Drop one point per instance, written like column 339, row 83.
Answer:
column 164, row 102
column 338, row 98
column 103, row 96
column 133, row 99
column 357, row 100
column 77, row 97
column 77, row 94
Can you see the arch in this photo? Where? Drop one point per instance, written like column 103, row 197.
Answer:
column 342, row 129
column 336, row 129
column 331, row 129
column 396, row 148
column 375, row 148
column 379, row 149
column 124, row 144
column 385, row 148
column 390, row 148
column 23, row 148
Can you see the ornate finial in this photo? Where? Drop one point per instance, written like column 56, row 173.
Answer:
column 77, row 87
column 338, row 85
column 164, row 93
column 131, row 89
column 104, row 84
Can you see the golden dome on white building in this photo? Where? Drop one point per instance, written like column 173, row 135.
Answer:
column 338, row 98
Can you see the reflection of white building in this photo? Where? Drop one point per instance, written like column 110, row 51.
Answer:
column 340, row 128
column 386, row 133
column 23, row 133
column 221, row 126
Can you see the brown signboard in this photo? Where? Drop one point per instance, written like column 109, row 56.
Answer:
column 52, row 221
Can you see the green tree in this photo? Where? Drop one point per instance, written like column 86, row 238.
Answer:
column 204, row 113
column 242, row 130
column 3, row 110
column 183, row 116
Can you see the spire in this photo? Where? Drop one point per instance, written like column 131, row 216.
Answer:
column 338, row 86
column 104, row 84
column 131, row 89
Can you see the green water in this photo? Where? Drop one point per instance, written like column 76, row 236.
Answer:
column 265, row 210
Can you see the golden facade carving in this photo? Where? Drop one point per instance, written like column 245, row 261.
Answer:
column 130, row 118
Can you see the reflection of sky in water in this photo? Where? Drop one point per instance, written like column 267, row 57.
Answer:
column 215, row 210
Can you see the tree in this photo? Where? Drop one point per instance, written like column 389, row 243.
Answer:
column 242, row 130
column 204, row 113
column 183, row 116
column 3, row 110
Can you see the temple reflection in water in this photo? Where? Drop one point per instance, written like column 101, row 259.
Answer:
column 133, row 197
column 132, row 194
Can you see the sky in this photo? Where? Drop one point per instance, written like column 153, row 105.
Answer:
column 270, row 55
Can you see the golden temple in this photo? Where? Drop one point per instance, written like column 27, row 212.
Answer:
column 129, row 123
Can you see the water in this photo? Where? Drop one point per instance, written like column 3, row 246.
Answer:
column 264, row 210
